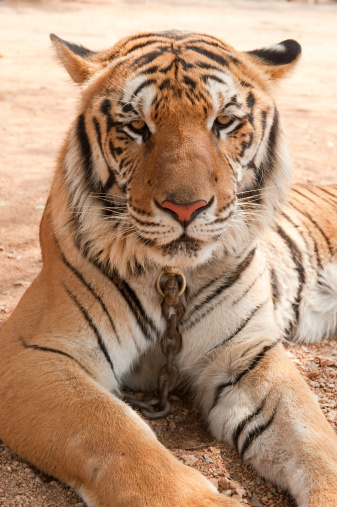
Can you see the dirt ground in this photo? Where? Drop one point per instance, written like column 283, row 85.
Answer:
column 36, row 105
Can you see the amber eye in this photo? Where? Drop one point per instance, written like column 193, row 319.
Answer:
column 223, row 121
column 140, row 128
column 138, row 125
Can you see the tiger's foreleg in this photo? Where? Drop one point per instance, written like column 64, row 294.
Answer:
column 255, row 399
column 56, row 416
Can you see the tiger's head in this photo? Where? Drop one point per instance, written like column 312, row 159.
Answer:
column 177, row 152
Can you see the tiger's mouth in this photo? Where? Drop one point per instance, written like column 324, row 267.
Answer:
column 184, row 243
column 184, row 251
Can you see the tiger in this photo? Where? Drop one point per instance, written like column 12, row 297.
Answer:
column 176, row 158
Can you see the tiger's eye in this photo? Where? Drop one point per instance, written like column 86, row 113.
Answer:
column 138, row 124
column 223, row 120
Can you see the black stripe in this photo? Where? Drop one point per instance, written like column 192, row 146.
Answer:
column 189, row 82
column 164, row 70
column 143, row 320
column 250, row 101
column 112, row 178
column 209, row 54
column 298, row 261
column 110, row 182
column 87, row 317
column 308, row 232
column 224, row 219
column 240, row 328
column 274, row 286
column 165, row 84
column 248, row 288
column 140, row 211
column 151, row 70
column 115, row 150
column 160, row 37
column 256, row 432
column 127, row 107
column 252, row 365
column 190, row 97
column 309, row 189
column 148, row 57
column 220, row 210
column 135, row 306
column 55, row 351
column 146, row 83
column 86, row 152
column 269, row 162
column 105, row 109
column 264, row 123
column 144, row 223
column 239, row 429
column 208, row 66
column 231, row 280
column 327, row 192
column 245, row 84
column 206, row 77
column 309, row 217
column 141, row 36
column 217, row 44
column 305, row 196
column 245, row 144
column 89, row 287
column 143, row 45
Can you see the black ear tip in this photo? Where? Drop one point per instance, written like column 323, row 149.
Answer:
column 54, row 37
column 75, row 48
column 293, row 48
column 283, row 53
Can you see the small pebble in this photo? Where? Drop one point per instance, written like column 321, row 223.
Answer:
column 190, row 460
column 178, row 419
column 208, row 459
column 225, row 483
column 331, row 416
column 255, row 501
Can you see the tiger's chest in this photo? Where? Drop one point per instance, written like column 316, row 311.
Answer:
column 220, row 306
column 263, row 293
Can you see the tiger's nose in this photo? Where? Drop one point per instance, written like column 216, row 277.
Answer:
column 184, row 212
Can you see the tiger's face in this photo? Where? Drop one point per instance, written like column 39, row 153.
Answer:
column 180, row 140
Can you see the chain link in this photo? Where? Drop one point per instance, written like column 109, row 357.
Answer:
column 171, row 342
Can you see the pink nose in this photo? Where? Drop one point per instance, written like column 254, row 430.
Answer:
column 184, row 211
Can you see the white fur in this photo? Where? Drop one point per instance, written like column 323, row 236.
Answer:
column 319, row 307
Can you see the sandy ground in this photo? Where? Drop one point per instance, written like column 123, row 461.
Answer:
column 36, row 105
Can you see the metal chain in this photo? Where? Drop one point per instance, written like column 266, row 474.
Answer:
column 173, row 311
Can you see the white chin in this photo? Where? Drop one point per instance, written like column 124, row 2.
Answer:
column 182, row 258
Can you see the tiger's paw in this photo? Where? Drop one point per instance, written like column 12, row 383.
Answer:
column 199, row 492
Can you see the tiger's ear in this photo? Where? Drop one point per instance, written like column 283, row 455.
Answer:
column 277, row 60
column 76, row 59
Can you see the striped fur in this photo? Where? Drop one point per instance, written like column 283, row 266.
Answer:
column 183, row 118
